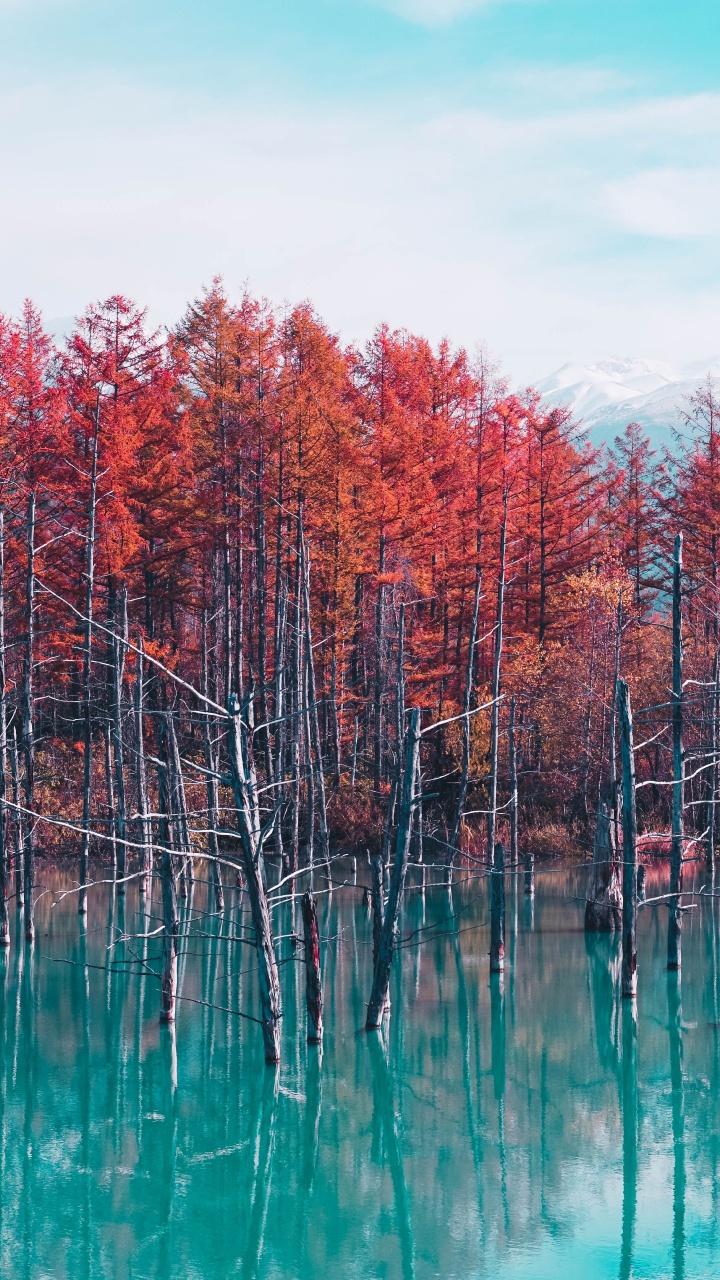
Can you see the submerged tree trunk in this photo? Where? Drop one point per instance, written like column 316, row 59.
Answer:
column 676, row 854
column 244, row 784
column 381, row 976
column 603, row 909
column 497, row 909
column 28, row 723
column 313, row 983
column 630, row 878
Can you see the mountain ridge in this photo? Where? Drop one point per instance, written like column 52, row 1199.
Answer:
column 604, row 397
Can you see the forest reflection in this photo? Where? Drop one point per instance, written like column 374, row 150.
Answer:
column 529, row 1123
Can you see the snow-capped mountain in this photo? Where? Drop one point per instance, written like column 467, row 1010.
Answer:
column 604, row 397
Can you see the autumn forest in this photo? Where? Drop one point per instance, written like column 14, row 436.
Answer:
column 338, row 543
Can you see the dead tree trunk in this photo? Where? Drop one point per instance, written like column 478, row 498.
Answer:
column 676, row 853
column 312, row 709
column 336, row 726
column 603, row 909
column 467, row 707
column 497, row 909
column 119, row 649
column 179, row 808
column 379, row 656
column 529, row 868
column 171, row 926
column 353, row 764
column 143, row 807
column 381, row 976
column 244, row 784
column 212, row 783
column 512, row 749
column 377, row 875
column 87, row 673
column 713, row 770
column 614, row 783
column 18, row 827
column 495, row 714
column 313, row 978
column 280, row 686
column 110, row 794
column 629, row 955
column 28, row 723
column 4, row 842
column 297, row 708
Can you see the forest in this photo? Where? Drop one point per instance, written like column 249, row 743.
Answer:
column 264, row 596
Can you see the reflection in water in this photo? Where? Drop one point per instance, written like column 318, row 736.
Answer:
column 384, row 1107
column 538, row 1129
column 630, row 1135
column 678, row 1120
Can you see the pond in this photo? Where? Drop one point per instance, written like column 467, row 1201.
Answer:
column 529, row 1126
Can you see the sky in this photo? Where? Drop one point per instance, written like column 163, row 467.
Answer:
column 538, row 176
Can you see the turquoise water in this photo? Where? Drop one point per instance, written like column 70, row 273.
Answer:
column 531, row 1129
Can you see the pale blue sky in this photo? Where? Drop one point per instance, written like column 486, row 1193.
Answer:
column 540, row 175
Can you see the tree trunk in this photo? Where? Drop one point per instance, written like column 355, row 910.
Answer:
column 144, row 828
column 212, row 783
column 512, row 750
column 18, row 826
column 244, row 784
column 281, row 602
column 495, row 715
column 336, row 727
column 313, row 979
column 377, row 873
column 312, row 710
column 28, row 723
column 179, row 808
column 529, row 867
column 676, row 854
column 713, row 771
column 4, row 842
column 171, row 924
column 379, row 647
column 353, row 766
column 467, row 707
column 603, row 909
column 119, row 649
column 110, row 794
column 497, row 909
column 381, row 977
column 87, row 673
column 629, row 961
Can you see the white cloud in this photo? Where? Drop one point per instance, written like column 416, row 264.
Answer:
column 472, row 224
column 434, row 12
column 669, row 203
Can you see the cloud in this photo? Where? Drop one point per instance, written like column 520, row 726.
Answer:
column 477, row 224
column 434, row 12
column 668, row 203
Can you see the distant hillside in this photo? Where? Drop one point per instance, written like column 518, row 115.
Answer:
column 604, row 397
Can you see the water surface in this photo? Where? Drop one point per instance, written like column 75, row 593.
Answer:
column 527, row 1128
